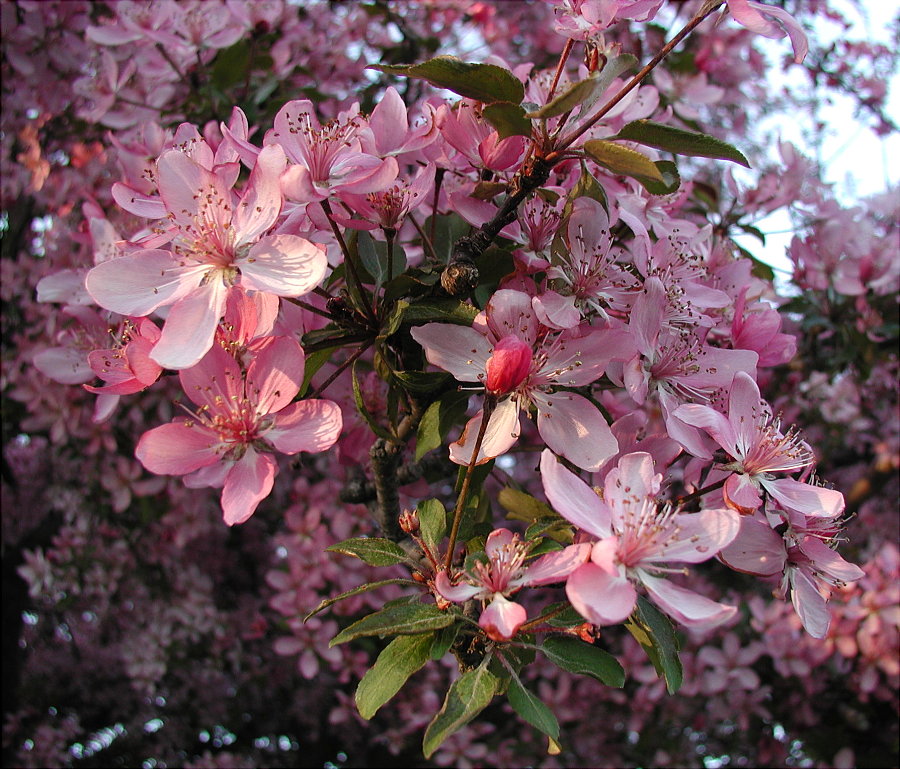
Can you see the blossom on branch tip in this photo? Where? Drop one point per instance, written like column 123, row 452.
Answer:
column 504, row 573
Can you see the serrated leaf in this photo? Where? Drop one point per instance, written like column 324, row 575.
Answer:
column 363, row 411
column 440, row 310
column 531, row 709
column 356, row 591
column 482, row 82
column 438, row 420
column 397, row 662
column 432, row 522
column 654, row 632
column 571, row 97
column 584, row 659
column 402, row 619
column 471, row 693
column 509, row 119
column 680, row 142
column 375, row 551
column 622, row 160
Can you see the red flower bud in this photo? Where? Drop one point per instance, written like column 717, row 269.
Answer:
column 508, row 365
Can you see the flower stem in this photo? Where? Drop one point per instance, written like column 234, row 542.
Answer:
column 348, row 260
column 700, row 492
column 489, row 404
column 705, row 11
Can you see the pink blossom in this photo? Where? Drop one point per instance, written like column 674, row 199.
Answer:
column 503, row 574
column 220, row 241
column 636, row 538
column 758, row 449
column 241, row 419
column 508, row 349
column 127, row 368
column 770, row 22
column 326, row 158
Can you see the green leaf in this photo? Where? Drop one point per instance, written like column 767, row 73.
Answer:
column 373, row 256
column 483, row 82
column 471, row 693
column 653, row 630
column 314, row 361
column 584, row 659
column 360, row 403
column 356, row 591
column 230, row 65
column 568, row 618
column 532, row 710
column 611, row 70
column 555, row 527
column 374, row 551
column 509, row 119
column 671, row 179
column 622, row 160
column 523, row 507
column 401, row 619
column 397, row 662
column 432, row 522
column 392, row 322
column 440, row 310
column 680, row 142
column 438, row 419
column 444, row 640
column 575, row 94
column 424, row 381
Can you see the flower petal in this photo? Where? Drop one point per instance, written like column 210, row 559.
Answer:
column 176, row 449
column 575, row 429
column 191, row 326
column 555, row 567
column 286, row 265
column 502, row 618
column 248, row 482
column 686, row 606
column 573, row 499
column 600, row 597
column 310, row 425
column 501, row 433
column 458, row 349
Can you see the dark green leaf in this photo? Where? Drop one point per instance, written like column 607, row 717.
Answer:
column 360, row 403
column 314, row 361
column 467, row 697
column 680, row 142
column 424, row 381
column 583, row 659
column 444, row 640
column 374, row 551
column 438, row 419
column 397, row 662
column 440, row 310
column 373, row 256
column 509, row 119
column 532, row 710
column 401, row 619
column 432, row 522
column 483, row 82
column 230, row 65
column 392, row 322
column 671, row 179
column 653, row 630
column 356, row 591
column 568, row 618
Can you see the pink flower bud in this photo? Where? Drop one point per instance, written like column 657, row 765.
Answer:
column 508, row 365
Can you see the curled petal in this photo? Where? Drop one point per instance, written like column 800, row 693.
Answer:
column 686, row 606
column 456, row 593
column 502, row 618
column 501, row 433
